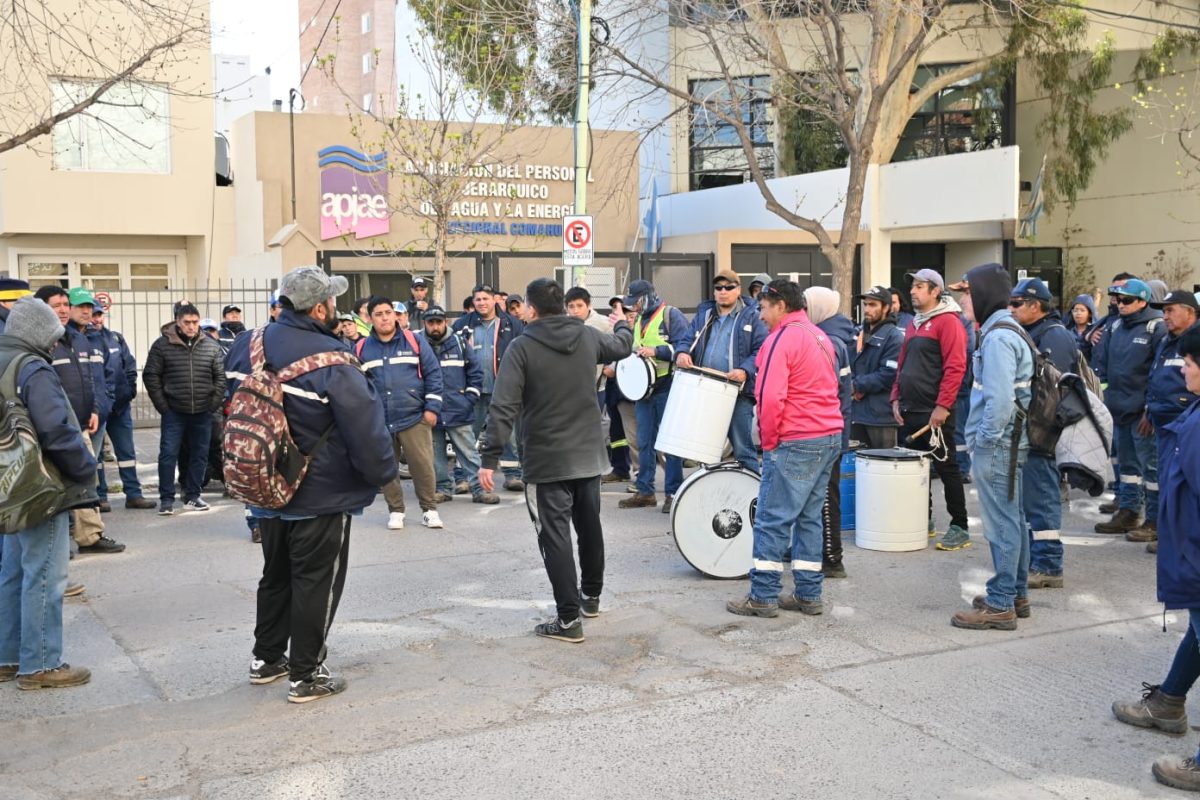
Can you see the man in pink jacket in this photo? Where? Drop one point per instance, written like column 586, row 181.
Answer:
column 800, row 425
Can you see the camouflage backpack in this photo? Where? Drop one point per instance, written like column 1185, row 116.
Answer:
column 263, row 465
column 31, row 489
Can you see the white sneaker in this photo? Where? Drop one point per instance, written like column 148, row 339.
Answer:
column 430, row 519
column 396, row 521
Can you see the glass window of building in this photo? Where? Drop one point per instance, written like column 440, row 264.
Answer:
column 716, row 153
column 964, row 117
column 128, row 130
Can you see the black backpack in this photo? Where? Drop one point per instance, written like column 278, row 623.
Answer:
column 31, row 488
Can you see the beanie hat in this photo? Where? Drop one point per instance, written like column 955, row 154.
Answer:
column 822, row 303
column 34, row 323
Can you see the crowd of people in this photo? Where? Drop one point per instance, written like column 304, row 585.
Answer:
column 522, row 391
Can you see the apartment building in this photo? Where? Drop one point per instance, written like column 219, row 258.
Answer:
column 359, row 42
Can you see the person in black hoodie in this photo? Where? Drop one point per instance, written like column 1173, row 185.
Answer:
column 548, row 377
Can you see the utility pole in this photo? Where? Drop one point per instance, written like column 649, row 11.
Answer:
column 582, row 129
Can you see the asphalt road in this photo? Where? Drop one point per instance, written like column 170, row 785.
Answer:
column 670, row 696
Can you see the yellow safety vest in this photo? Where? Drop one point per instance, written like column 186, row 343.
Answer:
column 649, row 334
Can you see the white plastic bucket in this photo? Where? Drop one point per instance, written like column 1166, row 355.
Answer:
column 891, row 501
column 696, row 421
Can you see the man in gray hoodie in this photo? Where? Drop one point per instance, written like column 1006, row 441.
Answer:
column 548, row 377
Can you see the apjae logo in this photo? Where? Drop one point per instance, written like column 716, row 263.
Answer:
column 354, row 190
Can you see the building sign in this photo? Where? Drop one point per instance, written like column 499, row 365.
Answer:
column 354, row 189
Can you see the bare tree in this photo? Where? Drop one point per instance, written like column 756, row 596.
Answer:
column 97, row 46
column 1167, row 95
column 843, row 75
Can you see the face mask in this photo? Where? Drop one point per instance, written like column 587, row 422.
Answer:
column 235, row 327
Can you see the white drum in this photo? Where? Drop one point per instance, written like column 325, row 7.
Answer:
column 636, row 377
column 891, row 499
column 712, row 520
column 696, row 421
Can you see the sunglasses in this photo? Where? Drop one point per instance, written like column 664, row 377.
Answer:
column 483, row 287
column 1016, row 303
column 725, row 287
column 1127, row 300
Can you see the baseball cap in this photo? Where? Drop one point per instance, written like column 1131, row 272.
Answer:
column 208, row 324
column 927, row 275
column 1178, row 297
column 612, row 301
column 881, row 293
column 418, row 281
column 435, row 312
column 400, row 306
column 274, row 298
column 229, row 308
column 344, row 317
column 636, row 290
column 728, row 275
column 81, row 296
column 515, row 298
column 1033, row 288
column 1132, row 288
column 307, row 286
column 13, row 289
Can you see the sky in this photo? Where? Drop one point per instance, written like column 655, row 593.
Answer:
column 265, row 30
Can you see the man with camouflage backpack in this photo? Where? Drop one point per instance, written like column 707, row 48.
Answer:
column 336, row 422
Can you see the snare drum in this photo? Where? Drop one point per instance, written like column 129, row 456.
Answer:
column 636, row 377
column 712, row 519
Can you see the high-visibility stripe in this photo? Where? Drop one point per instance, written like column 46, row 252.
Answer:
column 977, row 385
column 768, row 566
column 292, row 390
column 891, row 365
column 235, row 376
column 454, row 362
column 121, row 464
column 1131, row 479
column 809, row 566
column 1046, row 536
column 962, row 448
column 1022, row 384
column 437, row 397
column 473, row 390
column 844, row 371
column 374, row 364
column 509, row 464
column 1173, row 362
column 403, row 360
column 619, row 443
column 59, row 362
column 96, row 359
column 1151, row 487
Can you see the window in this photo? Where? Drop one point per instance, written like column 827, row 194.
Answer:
column 366, row 104
column 99, row 273
column 366, row 23
column 128, row 130
column 717, row 156
column 368, row 60
column 962, row 118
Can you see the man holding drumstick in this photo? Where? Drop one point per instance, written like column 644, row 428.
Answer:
column 726, row 334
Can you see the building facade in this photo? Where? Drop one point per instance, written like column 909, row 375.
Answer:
column 348, row 60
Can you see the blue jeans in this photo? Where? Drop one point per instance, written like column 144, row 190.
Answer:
column 32, row 581
column 120, row 432
column 1137, row 459
column 741, row 436
column 509, row 463
column 1042, row 505
column 197, row 428
column 649, row 413
column 962, row 410
column 1186, row 666
column 788, row 525
column 465, row 456
column 1003, row 522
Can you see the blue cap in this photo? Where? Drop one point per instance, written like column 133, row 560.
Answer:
column 638, row 288
column 1033, row 288
column 1132, row 288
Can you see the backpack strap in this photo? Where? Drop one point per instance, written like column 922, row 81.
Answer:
column 303, row 366
column 12, row 371
column 1014, row 445
column 258, row 355
column 358, row 347
column 416, row 348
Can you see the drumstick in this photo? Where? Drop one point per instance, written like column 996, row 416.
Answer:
column 916, row 435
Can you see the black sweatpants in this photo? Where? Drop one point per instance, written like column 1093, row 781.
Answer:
column 831, row 517
column 304, row 572
column 553, row 507
column 947, row 468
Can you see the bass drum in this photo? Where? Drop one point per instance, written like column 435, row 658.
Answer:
column 636, row 377
column 712, row 519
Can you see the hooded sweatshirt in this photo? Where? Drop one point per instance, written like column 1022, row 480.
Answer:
column 823, row 311
column 548, row 379
column 1003, row 363
column 933, row 359
column 1081, row 339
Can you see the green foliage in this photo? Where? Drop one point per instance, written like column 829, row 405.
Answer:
column 808, row 142
column 1049, row 40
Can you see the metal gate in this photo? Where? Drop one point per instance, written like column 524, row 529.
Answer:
column 139, row 316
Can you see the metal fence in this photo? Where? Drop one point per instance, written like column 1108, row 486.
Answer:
column 140, row 316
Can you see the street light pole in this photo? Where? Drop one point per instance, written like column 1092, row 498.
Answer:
column 582, row 130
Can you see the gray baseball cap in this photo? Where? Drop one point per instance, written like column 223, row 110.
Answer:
column 305, row 287
column 929, row 276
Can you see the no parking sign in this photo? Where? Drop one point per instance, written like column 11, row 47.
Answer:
column 578, row 249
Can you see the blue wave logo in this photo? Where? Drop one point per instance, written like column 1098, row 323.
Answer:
column 360, row 162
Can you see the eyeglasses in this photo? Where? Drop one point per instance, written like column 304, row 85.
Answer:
column 1016, row 303
column 725, row 287
column 1127, row 300
column 483, row 287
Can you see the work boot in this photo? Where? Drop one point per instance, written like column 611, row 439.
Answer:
column 139, row 502
column 1123, row 521
column 1152, row 547
column 613, row 477
column 443, row 497
column 833, row 569
column 61, row 678
column 1146, row 532
column 486, row 498
column 1178, row 774
column 749, row 607
column 514, row 485
column 1155, row 710
column 1110, row 507
column 1042, row 580
column 986, row 618
column 666, row 509
column 812, row 608
column 1020, row 605
column 639, row 501
column 462, row 487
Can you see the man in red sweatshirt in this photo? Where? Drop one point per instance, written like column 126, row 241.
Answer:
column 800, row 425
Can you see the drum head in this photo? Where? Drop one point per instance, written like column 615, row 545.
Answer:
column 634, row 377
column 893, row 454
column 713, row 520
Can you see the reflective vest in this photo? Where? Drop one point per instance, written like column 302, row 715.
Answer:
column 648, row 333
